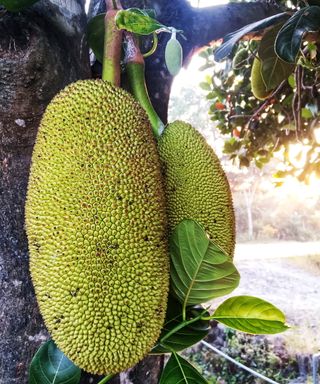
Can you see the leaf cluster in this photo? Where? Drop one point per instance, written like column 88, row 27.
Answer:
column 258, row 130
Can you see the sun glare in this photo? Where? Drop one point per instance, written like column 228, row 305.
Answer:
column 298, row 154
column 207, row 3
column 292, row 187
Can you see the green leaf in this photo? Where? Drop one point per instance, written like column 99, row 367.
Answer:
column 231, row 39
column 95, row 35
column 231, row 145
column 306, row 113
column 211, row 95
column 144, row 12
column 186, row 335
column 205, row 86
column 290, row 36
column 273, row 69
column 137, row 22
column 250, row 314
column 313, row 108
column 51, row 366
column 292, row 81
column 200, row 271
column 17, row 5
column 314, row 2
column 180, row 371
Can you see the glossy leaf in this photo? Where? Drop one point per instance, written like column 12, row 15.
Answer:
column 306, row 113
column 137, row 22
column 145, row 12
column 290, row 36
column 179, row 370
column 231, row 39
column 200, row 271
column 51, row 366
column 95, row 35
column 17, row 5
column 273, row 69
column 186, row 336
column 250, row 314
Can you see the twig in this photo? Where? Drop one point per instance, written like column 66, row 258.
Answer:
column 296, row 102
column 265, row 103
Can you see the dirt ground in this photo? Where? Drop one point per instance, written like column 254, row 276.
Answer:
column 285, row 275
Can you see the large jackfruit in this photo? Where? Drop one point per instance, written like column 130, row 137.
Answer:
column 258, row 85
column 196, row 185
column 96, row 224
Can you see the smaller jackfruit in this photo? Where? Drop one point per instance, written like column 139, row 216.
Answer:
column 196, row 185
column 258, row 85
column 173, row 56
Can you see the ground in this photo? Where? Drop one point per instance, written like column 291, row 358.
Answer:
column 287, row 275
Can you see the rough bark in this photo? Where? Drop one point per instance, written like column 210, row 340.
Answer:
column 41, row 50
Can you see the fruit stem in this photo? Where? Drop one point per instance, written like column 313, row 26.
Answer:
column 112, row 46
column 184, row 323
column 135, row 71
column 106, row 379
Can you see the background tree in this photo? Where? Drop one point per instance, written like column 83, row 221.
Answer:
column 42, row 49
column 266, row 96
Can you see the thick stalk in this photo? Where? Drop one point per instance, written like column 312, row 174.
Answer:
column 112, row 47
column 135, row 71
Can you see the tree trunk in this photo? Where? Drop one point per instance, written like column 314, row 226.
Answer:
column 248, row 201
column 41, row 50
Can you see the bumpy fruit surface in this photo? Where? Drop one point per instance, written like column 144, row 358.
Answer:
column 196, row 185
column 96, row 224
column 257, row 84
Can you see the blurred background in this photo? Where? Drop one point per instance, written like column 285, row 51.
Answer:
column 277, row 252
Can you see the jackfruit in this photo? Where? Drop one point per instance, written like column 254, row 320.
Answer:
column 96, row 224
column 196, row 185
column 173, row 56
column 258, row 85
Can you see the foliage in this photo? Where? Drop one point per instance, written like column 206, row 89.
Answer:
column 260, row 130
column 250, row 314
column 179, row 370
column 16, row 5
column 190, row 240
column 267, row 357
column 51, row 366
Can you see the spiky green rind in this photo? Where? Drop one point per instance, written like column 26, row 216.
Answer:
column 196, row 185
column 258, row 86
column 96, row 224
